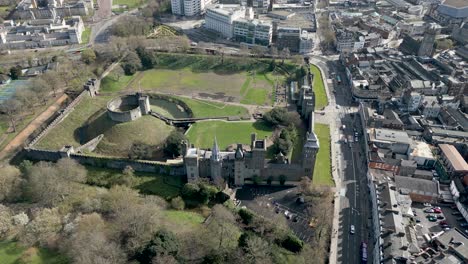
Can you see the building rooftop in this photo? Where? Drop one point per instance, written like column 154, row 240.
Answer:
column 422, row 149
column 456, row 3
column 392, row 135
column 421, row 186
column 456, row 241
column 454, row 157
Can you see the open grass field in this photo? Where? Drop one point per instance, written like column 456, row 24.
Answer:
column 202, row 134
column 129, row 3
column 244, row 87
column 64, row 132
column 165, row 186
column 89, row 119
column 111, row 83
column 322, row 170
column 85, row 35
column 321, row 99
column 247, row 80
column 11, row 253
column 185, row 81
column 203, row 108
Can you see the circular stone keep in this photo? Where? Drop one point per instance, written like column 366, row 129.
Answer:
column 124, row 109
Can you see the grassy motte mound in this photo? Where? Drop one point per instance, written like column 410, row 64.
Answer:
column 119, row 137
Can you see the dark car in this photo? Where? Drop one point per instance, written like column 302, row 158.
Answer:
column 440, row 217
column 456, row 213
column 464, row 224
column 300, row 200
column 460, row 219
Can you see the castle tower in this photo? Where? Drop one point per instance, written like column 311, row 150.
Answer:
column 216, row 163
column 427, row 44
column 310, row 149
column 191, row 161
column 258, row 154
column 239, row 166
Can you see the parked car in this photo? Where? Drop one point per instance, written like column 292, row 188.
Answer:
column 432, row 218
column 460, row 219
column 352, row 230
column 464, row 224
column 427, row 204
column 437, row 211
column 429, row 211
column 417, row 220
column 443, row 223
column 446, row 228
column 456, row 213
column 440, row 217
column 436, row 207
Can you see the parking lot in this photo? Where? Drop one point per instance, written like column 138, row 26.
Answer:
column 278, row 200
column 447, row 215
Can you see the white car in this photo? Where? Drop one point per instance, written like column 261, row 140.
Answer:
column 430, row 211
column 427, row 204
column 352, row 230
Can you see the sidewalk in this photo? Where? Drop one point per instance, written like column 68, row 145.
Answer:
column 19, row 139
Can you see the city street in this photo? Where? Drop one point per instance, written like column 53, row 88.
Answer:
column 348, row 162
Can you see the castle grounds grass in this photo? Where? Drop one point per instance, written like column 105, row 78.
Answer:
column 203, row 108
column 165, row 186
column 209, row 76
column 111, row 83
column 321, row 99
column 322, row 170
column 89, row 119
column 202, row 134
column 12, row 253
column 129, row 3
column 85, row 35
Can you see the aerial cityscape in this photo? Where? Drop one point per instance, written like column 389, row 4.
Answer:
column 233, row 131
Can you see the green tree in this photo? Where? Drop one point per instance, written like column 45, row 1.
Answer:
column 175, row 144
column 256, row 180
column 178, row 203
column 270, row 180
column 16, row 72
column 246, row 215
column 131, row 63
column 163, row 243
column 292, row 243
column 88, row 56
column 282, row 179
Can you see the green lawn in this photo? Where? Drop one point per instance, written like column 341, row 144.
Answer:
column 202, row 134
column 85, row 35
column 202, row 108
column 148, row 183
column 321, row 99
column 129, row 3
column 89, row 119
column 322, row 170
column 64, row 132
column 185, row 81
column 11, row 253
column 112, row 83
column 256, row 89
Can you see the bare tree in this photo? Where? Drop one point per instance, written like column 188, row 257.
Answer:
column 90, row 244
column 10, row 183
column 258, row 250
column 11, row 108
column 118, row 72
column 43, row 229
column 52, row 78
column 222, row 226
column 285, row 54
column 41, row 89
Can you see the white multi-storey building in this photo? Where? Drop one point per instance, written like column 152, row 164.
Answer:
column 220, row 18
column 253, row 31
column 189, row 7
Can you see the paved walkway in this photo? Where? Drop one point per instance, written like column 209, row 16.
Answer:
column 19, row 140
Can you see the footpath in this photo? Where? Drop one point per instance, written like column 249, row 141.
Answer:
column 19, row 139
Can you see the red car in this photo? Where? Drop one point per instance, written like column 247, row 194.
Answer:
column 437, row 211
column 443, row 223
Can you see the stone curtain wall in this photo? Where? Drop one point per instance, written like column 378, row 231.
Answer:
column 59, row 118
column 108, row 162
column 114, row 112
